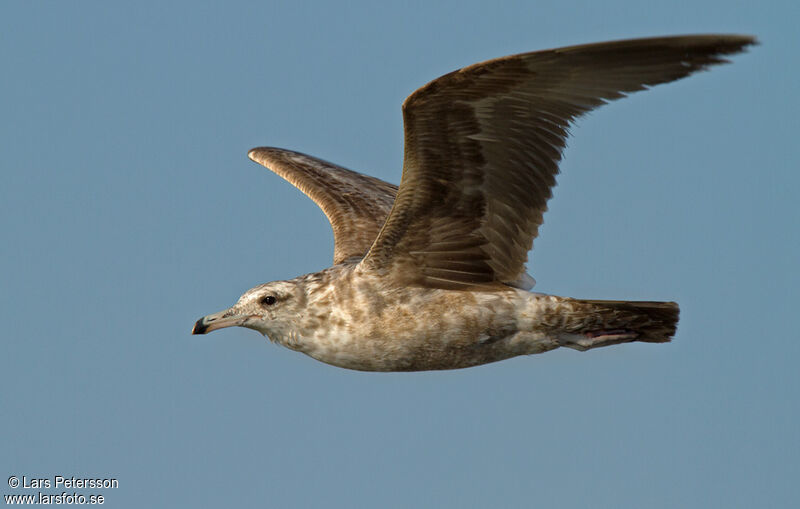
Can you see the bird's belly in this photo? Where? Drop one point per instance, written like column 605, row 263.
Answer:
column 415, row 330
column 422, row 350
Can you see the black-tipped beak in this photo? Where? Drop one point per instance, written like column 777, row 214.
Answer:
column 200, row 327
column 218, row 321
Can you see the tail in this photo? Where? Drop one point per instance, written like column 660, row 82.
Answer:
column 609, row 322
column 653, row 322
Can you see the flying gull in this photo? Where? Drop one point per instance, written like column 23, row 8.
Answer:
column 431, row 274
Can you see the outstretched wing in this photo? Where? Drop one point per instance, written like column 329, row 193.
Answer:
column 482, row 147
column 356, row 204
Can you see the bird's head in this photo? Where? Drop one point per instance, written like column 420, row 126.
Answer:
column 269, row 308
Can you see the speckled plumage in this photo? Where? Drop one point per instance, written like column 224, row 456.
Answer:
column 431, row 274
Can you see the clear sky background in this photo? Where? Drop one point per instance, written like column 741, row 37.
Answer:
column 128, row 209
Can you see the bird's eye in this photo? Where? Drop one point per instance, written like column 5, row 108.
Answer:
column 269, row 300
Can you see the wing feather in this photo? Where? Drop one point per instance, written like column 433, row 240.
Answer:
column 483, row 144
column 356, row 205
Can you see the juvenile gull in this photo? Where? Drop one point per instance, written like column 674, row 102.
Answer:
column 431, row 274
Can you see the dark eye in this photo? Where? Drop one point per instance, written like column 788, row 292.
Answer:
column 268, row 300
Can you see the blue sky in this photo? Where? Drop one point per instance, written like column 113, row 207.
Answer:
column 129, row 209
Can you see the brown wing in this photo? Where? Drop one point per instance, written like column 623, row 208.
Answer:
column 356, row 204
column 482, row 147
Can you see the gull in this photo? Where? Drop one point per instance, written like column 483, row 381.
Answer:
column 431, row 275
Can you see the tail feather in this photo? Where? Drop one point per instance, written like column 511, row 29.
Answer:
column 651, row 322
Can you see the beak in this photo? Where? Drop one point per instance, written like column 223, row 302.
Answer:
column 219, row 320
